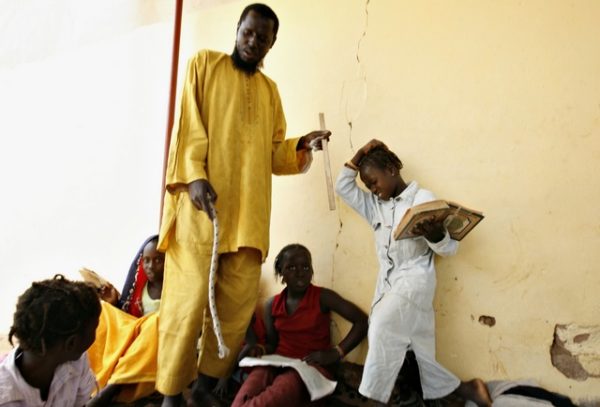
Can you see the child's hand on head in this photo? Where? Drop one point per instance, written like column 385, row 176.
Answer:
column 431, row 229
column 372, row 144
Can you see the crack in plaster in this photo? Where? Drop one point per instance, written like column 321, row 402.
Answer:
column 353, row 98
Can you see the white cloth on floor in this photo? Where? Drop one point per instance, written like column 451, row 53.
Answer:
column 496, row 388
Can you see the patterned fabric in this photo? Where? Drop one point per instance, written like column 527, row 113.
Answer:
column 212, row 303
column 131, row 294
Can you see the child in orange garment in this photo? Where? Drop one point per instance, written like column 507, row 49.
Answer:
column 123, row 357
column 298, row 326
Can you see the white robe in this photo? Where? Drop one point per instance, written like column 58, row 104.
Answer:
column 402, row 315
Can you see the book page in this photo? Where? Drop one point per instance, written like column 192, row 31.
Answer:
column 92, row 277
column 318, row 385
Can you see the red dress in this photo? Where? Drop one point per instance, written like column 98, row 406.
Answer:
column 306, row 330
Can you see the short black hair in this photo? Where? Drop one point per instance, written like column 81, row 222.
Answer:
column 265, row 11
column 52, row 310
column 382, row 158
column 283, row 252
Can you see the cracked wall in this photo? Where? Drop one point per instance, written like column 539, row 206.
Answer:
column 501, row 117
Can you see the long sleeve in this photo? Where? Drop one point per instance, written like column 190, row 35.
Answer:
column 445, row 247
column 353, row 195
column 285, row 159
column 189, row 146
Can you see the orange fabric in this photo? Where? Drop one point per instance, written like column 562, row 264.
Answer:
column 124, row 352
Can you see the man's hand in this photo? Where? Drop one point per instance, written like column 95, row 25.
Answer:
column 202, row 195
column 431, row 229
column 313, row 138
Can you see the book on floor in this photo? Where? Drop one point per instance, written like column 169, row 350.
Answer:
column 318, row 385
column 458, row 219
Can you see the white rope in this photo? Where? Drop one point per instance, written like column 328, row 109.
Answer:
column 223, row 349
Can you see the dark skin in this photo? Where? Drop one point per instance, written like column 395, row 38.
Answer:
column 387, row 183
column 154, row 263
column 297, row 272
column 254, row 38
column 38, row 370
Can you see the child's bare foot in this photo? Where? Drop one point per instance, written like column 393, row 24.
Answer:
column 476, row 391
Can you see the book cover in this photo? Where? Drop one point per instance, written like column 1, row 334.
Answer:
column 458, row 219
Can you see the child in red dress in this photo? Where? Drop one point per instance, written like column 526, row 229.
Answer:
column 297, row 322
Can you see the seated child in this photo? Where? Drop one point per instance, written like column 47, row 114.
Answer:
column 297, row 323
column 55, row 323
column 402, row 314
column 123, row 357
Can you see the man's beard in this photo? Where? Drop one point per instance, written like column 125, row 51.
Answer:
column 248, row 67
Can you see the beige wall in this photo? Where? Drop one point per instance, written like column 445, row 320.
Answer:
column 494, row 104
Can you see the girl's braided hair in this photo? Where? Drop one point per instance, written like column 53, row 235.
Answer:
column 382, row 158
column 52, row 310
column 283, row 252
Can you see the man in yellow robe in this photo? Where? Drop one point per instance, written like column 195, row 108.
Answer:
column 229, row 140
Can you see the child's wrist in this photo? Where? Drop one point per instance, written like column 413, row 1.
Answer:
column 351, row 165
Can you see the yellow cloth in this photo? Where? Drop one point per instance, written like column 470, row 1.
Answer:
column 124, row 352
column 183, row 305
column 230, row 131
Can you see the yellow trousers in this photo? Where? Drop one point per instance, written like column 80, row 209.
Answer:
column 184, row 305
column 124, row 352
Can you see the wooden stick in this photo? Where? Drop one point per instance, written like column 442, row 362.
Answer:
column 327, row 165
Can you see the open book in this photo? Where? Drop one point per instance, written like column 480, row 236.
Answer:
column 458, row 219
column 93, row 278
column 318, row 385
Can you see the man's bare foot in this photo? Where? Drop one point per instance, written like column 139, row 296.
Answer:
column 172, row 401
column 476, row 391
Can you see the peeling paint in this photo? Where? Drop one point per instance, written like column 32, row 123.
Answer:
column 575, row 351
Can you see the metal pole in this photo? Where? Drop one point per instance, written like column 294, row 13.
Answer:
column 172, row 95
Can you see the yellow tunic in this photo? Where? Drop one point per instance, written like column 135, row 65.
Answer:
column 231, row 131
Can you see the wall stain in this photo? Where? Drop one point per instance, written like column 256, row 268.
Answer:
column 575, row 351
column 487, row 320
